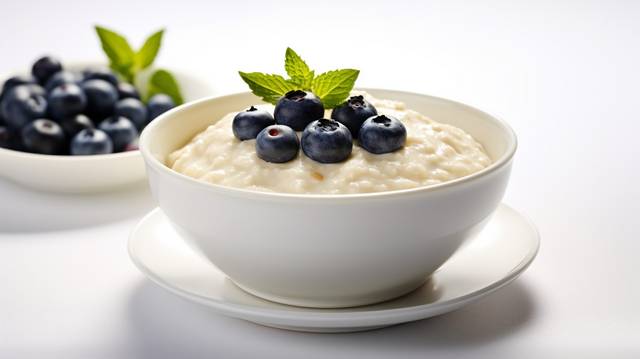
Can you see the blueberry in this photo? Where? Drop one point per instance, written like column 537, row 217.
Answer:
column 65, row 101
column 297, row 109
column 37, row 90
column 59, row 78
column 101, row 73
column 127, row 90
column 44, row 68
column 121, row 130
column 74, row 124
column 248, row 124
column 133, row 146
column 134, row 110
column 10, row 139
column 44, row 136
column 277, row 144
column 33, row 88
column 382, row 134
column 91, row 142
column 5, row 137
column 21, row 106
column 101, row 98
column 353, row 113
column 327, row 141
column 16, row 81
column 159, row 104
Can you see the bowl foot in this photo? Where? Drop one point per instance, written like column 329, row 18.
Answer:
column 338, row 302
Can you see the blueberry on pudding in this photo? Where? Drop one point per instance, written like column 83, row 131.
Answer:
column 353, row 113
column 297, row 109
column 327, row 141
column 382, row 134
column 247, row 124
column 277, row 144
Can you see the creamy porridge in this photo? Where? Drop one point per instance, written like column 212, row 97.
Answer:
column 433, row 153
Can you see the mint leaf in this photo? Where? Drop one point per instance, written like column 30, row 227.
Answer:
column 269, row 87
column 297, row 69
column 333, row 87
column 148, row 52
column 117, row 49
column 163, row 82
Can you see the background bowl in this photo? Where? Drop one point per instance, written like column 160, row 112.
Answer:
column 327, row 250
column 82, row 174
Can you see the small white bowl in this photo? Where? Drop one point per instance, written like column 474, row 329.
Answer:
column 327, row 250
column 83, row 174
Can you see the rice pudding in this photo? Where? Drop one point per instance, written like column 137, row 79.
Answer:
column 433, row 153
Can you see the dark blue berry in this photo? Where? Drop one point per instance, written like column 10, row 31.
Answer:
column 134, row 110
column 65, row 101
column 353, row 113
column 37, row 90
column 91, row 142
column 5, row 137
column 44, row 68
column 59, row 78
column 248, row 124
column 277, row 144
column 133, row 146
column 327, row 141
column 10, row 139
column 21, row 106
column 159, row 104
column 16, row 81
column 33, row 88
column 45, row 137
column 101, row 98
column 297, row 109
column 74, row 124
column 127, row 90
column 382, row 134
column 121, row 131
column 101, row 73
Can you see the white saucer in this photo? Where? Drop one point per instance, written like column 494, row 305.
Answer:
column 503, row 250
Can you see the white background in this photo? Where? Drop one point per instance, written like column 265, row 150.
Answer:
column 563, row 74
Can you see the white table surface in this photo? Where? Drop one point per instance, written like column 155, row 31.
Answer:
column 566, row 76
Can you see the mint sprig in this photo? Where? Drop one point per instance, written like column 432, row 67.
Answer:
column 332, row 87
column 128, row 63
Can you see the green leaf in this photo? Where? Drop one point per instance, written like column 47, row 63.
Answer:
column 148, row 52
column 117, row 48
column 333, row 87
column 269, row 87
column 163, row 82
column 297, row 69
column 125, row 73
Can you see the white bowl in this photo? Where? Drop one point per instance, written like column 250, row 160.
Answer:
column 327, row 250
column 82, row 174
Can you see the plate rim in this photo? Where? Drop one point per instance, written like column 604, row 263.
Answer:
column 315, row 317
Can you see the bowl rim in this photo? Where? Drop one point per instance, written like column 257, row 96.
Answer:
column 500, row 162
column 68, row 158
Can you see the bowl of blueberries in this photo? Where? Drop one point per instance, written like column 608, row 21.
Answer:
column 74, row 128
